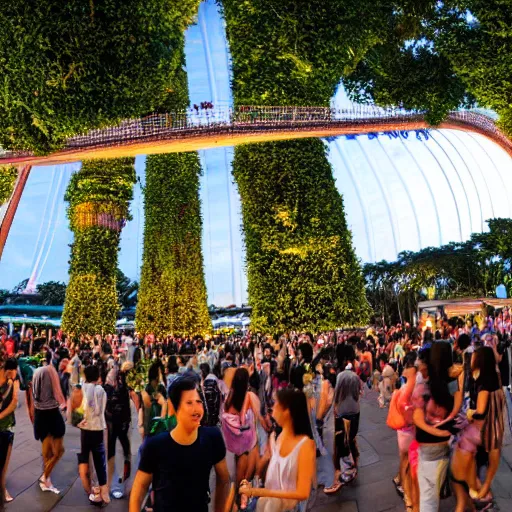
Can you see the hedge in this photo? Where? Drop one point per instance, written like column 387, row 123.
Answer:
column 68, row 66
column 172, row 292
column 98, row 196
column 8, row 176
column 302, row 271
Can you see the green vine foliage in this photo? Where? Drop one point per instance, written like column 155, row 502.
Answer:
column 8, row 175
column 69, row 66
column 101, row 188
column 303, row 274
column 302, row 271
column 172, row 293
column 294, row 52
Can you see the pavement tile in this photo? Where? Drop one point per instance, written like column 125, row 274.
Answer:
column 372, row 491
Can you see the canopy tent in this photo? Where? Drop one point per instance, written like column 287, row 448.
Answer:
column 461, row 307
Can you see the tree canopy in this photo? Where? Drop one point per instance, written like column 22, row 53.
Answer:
column 68, row 66
column 293, row 52
column 52, row 293
column 438, row 56
column 463, row 269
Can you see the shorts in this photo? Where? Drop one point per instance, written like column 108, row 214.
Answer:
column 470, row 438
column 48, row 423
column 405, row 437
column 6, row 440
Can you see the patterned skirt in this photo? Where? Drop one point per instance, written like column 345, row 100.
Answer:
column 494, row 425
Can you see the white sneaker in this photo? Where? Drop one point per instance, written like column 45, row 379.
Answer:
column 117, row 495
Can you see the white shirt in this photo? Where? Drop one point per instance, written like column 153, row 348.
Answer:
column 94, row 404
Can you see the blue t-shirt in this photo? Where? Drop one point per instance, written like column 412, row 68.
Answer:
column 181, row 473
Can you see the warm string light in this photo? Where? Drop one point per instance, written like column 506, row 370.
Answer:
column 105, row 215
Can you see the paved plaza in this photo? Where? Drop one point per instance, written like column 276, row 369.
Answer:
column 372, row 491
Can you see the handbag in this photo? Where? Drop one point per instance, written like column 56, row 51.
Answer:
column 395, row 419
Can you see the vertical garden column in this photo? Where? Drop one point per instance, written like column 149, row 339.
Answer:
column 98, row 196
column 172, row 291
column 302, row 271
column 8, row 175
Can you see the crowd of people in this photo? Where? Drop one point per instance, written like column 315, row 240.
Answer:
column 277, row 417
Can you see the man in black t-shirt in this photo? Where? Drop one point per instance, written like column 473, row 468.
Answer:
column 179, row 463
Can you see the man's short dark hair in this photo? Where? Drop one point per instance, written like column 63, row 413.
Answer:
column 106, row 348
column 92, row 373
column 172, row 365
column 177, row 388
column 463, row 341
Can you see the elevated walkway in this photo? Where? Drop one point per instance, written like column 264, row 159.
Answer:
column 211, row 128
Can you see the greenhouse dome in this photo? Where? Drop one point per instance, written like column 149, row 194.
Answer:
column 402, row 191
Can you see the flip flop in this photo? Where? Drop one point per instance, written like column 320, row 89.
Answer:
column 333, row 489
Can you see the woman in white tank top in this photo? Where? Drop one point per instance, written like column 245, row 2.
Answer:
column 292, row 465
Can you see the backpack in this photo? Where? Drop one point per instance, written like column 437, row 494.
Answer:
column 118, row 403
column 212, row 401
column 103, row 369
column 395, row 419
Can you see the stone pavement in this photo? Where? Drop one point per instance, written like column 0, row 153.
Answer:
column 26, row 467
column 372, row 491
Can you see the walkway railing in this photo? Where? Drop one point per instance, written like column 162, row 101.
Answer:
column 206, row 122
column 157, row 126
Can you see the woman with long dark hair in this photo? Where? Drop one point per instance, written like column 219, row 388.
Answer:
column 433, row 403
column 463, row 464
column 238, row 423
column 487, row 382
column 292, row 465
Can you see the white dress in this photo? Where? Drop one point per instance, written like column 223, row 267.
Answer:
column 282, row 476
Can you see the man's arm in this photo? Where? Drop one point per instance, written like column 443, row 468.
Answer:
column 221, row 486
column 139, row 490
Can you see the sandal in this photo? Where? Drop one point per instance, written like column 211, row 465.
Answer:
column 333, row 489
